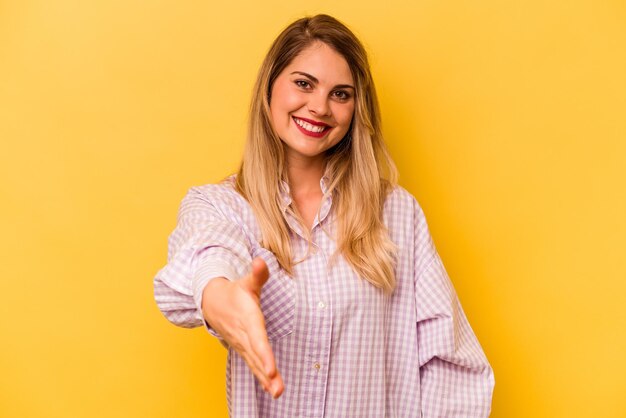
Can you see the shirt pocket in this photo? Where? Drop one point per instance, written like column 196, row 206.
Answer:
column 278, row 302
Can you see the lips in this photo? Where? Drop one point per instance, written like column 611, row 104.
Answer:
column 311, row 128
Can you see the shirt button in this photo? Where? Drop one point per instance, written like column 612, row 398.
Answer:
column 317, row 366
column 321, row 305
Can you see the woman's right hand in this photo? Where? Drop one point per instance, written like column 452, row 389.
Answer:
column 233, row 310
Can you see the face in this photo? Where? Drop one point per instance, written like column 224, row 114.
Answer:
column 312, row 102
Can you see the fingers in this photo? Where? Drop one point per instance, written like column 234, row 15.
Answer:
column 262, row 350
column 261, row 346
column 256, row 366
column 237, row 316
column 257, row 353
column 277, row 386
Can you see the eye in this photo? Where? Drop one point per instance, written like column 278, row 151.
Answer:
column 302, row 84
column 341, row 95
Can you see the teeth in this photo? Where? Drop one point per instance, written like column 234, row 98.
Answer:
column 307, row 126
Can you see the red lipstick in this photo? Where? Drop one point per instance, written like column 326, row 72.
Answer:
column 313, row 123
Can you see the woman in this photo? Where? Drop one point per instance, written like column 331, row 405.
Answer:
column 312, row 266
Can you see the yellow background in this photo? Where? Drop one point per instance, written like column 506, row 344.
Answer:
column 507, row 120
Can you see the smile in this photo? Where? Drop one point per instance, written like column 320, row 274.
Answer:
column 311, row 128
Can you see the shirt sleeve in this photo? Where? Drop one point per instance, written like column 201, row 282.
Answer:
column 456, row 378
column 203, row 246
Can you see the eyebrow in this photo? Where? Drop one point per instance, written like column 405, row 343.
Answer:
column 316, row 81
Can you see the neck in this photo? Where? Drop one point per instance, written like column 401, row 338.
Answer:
column 304, row 175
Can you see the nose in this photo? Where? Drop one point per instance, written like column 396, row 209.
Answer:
column 318, row 104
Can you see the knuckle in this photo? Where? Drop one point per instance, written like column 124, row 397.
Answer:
column 238, row 346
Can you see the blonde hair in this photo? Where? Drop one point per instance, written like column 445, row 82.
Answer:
column 360, row 168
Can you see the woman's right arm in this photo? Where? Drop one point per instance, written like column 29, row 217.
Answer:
column 204, row 245
column 210, row 279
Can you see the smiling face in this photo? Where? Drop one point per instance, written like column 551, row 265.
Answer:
column 312, row 102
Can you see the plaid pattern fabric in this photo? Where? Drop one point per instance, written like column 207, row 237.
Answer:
column 343, row 347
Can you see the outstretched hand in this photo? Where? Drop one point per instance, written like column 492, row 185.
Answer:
column 233, row 309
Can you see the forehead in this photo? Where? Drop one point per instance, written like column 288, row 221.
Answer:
column 322, row 62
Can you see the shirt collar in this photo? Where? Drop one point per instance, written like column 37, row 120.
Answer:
column 285, row 191
column 285, row 195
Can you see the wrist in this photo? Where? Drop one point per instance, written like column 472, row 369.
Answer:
column 214, row 288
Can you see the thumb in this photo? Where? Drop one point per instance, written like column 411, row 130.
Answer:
column 258, row 277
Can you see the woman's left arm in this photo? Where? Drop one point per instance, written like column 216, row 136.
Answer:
column 455, row 375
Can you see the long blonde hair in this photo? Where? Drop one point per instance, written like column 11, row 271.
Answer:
column 360, row 168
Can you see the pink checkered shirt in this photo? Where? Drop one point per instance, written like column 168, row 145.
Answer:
column 343, row 347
